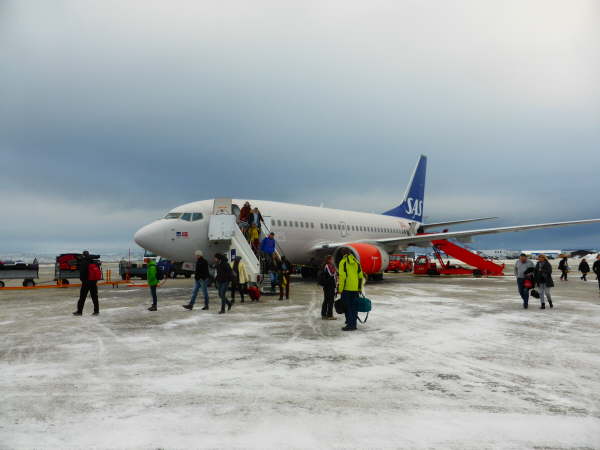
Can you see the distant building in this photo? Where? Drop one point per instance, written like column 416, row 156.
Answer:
column 551, row 254
column 499, row 253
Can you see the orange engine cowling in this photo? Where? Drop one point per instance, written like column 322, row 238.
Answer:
column 373, row 259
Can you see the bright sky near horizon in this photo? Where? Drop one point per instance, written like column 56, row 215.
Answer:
column 113, row 112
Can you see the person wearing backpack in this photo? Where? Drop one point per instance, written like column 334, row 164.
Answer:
column 223, row 278
column 584, row 268
column 327, row 278
column 350, row 285
column 523, row 269
column 152, row 277
column 89, row 274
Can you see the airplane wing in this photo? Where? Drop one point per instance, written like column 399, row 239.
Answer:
column 425, row 238
column 426, row 226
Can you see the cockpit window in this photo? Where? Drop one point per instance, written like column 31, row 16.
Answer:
column 197, row 216
column 172, row 215
column 186, row 216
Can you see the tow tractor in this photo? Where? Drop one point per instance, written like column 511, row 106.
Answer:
column 482, row 267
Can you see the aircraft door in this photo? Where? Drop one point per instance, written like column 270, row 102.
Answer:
column 222, row 206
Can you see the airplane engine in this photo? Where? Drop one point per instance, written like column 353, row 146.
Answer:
column 373, row 259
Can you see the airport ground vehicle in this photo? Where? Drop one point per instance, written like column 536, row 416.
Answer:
column 400, row 263
column 481, row 266
column 16, row 270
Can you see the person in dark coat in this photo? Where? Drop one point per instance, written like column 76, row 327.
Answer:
column 596, row 269
column 563, row 266
column 201, row 275
column 90, row 286
column 328, row 279
column 543, row 280
column 255, row 218
column 284, row 268
column 223, row 278
column 584, row 268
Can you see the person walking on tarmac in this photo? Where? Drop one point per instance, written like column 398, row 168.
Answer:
column 152, row 277
column 240, row 278
column 201, row 275
column 596, row 269
column 584, row 268
column 223, row 278
column 284, row 268
column 543, row 280
column 350, row 285
column 563, row 266
column 327, row 278
column 523, row 268
column 89, row 274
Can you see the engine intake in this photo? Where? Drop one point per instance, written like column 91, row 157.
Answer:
column 373, row 259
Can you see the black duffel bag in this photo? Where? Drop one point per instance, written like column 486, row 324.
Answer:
column 340, row 306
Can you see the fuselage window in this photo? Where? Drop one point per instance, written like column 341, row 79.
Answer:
column 285, row 223
column 186, row 216
column 301, row 224
column 296, row 224
column 312, row 225
column 278, row 222
column 197, row 216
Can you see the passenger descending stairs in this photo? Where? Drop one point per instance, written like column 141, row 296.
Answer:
column 225, row 235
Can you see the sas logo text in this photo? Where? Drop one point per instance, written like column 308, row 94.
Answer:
column 414, row 207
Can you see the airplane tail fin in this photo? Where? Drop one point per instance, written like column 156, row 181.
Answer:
column 414, row 198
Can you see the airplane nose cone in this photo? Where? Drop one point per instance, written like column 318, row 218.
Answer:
column 150, row 237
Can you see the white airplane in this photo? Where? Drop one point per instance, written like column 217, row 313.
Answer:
column 307, row 233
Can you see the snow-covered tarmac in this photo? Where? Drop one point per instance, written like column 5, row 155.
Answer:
column 441, row 363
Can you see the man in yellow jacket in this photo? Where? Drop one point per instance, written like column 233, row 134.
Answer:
column 349, row 286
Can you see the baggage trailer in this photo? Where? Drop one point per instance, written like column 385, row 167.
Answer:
column 67, row 267
column 27, row 275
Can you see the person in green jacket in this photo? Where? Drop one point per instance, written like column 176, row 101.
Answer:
column 152, row 276
column 350, row 284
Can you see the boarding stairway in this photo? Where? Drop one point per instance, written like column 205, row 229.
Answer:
column 484, row 266
column 225, row 236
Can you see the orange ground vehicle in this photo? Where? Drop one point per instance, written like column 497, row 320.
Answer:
column 400, row 263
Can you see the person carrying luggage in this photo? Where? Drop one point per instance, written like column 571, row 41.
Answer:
column 89, row 274
column 523, row 267
column 543, row 280
column 152, row 277
column 327, row 278
column 584, row 268
column 350, row 285
column 202, row 276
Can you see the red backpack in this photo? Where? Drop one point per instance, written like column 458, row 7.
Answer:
column 94, row 272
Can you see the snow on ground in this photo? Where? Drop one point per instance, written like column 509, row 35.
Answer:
column 441, row 363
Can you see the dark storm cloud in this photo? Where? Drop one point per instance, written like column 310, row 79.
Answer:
column 109, row 106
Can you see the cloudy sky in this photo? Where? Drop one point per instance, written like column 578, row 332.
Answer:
column 113, row 112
